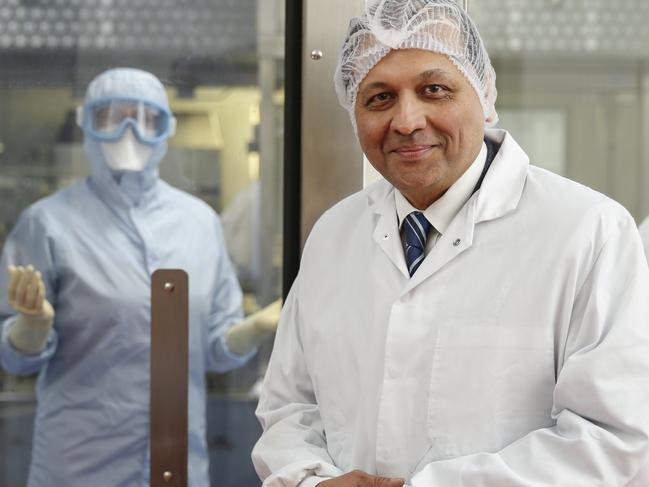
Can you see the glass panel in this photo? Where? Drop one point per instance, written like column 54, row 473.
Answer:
column 572, row 88
column 221, row 63
column 541, row 132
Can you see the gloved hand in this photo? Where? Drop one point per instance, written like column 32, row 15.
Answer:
column 252, row 330
column 358, row 478
column 26, row 294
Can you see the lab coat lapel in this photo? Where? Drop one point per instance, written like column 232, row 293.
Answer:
column 457, row 239
column 386, row 230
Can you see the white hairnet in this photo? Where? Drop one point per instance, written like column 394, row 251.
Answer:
column 440, row 26
column 127, row 82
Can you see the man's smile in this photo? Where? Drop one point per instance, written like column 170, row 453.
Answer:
column 413, row 152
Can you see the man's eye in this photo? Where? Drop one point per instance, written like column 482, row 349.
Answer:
column 379, row 99
column 433, row 89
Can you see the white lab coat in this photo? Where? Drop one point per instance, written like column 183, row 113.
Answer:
column 644, row 233
column 517, row 355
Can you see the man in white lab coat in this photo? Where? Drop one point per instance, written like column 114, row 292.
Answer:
column 471, row 321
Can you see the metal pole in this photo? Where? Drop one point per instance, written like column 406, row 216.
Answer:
column 466, row 6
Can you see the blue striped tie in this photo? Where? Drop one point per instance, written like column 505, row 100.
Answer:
column 416, row 229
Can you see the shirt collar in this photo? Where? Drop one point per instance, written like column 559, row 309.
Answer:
column 442, row 211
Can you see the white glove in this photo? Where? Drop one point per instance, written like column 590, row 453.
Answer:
column 26, row 295
column 254, row 329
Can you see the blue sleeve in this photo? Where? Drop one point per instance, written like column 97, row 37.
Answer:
column 27, row 244
column 226, row 311
column 16, row 362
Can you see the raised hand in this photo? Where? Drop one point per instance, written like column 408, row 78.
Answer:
column 26, row 294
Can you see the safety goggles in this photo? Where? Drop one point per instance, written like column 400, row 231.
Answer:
column 107, row 119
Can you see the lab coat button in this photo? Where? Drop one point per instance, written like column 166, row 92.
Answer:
column 457, row 242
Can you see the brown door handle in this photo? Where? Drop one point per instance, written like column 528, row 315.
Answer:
column 169, row 375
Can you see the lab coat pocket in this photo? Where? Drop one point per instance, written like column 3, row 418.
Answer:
column 491, row 384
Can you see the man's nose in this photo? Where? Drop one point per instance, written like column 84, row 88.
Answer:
column 409, row 116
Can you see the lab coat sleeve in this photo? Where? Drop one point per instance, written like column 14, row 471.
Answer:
column 292, row 450
column 226, row 311
column 601, row 396
column 28, row 243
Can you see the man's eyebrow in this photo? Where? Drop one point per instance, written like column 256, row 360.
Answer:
column 437, row 74
column 431, row 74
column 377, row 85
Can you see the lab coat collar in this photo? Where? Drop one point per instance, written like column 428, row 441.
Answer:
column 503, row 184
column 499, row 192
column 442, row 211
column 498, row 195
column 130, row 190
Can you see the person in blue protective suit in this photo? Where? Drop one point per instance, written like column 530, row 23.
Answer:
column 75, row 304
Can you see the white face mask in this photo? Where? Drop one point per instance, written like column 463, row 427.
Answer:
column 127, row 153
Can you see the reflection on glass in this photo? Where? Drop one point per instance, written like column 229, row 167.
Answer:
column 541, row 132
column 222, row 67
column 572, row 83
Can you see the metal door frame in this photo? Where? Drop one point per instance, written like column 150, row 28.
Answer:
column 323, row 162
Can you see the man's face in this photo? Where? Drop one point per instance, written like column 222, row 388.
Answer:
column 420, row 123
